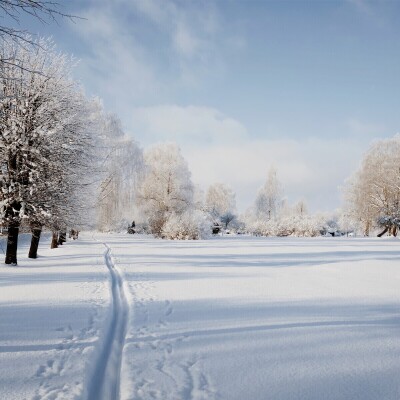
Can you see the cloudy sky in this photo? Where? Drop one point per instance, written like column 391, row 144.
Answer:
column 243, row 85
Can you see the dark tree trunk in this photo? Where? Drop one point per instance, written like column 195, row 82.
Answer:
column 62, row 238
column 383, row 232
column 36, row 232
column 394, row 231
column 12, row 213
column 54, row 240
column 12, row 243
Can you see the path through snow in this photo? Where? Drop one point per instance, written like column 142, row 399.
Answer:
column 105, row 382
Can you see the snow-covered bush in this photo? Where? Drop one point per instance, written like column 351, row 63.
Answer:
column 189, row 225
column 301, row 226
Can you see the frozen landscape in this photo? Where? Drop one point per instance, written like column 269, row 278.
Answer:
column 231, row 318
column 199, row 200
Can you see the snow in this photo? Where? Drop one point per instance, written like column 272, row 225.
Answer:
column 51, row 311
column 229, row 318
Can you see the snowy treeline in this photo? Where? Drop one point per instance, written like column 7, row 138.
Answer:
column 46, row 140
column 272, row 216
column 373, row 192
column 121, row 169
column 166, row 196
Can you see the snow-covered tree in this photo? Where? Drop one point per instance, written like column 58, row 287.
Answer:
column 221, row 204
column 43, row 140
column 300, row 208
column 269, row 197
column 121, row 172
column 373, row 192
column 166, row 189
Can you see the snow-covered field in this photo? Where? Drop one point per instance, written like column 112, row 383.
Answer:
column 231, row 318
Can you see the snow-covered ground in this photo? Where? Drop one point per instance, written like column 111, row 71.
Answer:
column 51, row 312
column 231, row 318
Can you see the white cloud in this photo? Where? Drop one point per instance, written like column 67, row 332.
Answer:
column 219, row 149
column 115, row 65
column 189, row 124
column 170, row 46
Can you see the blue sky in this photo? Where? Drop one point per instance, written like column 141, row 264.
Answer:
column 241, row 85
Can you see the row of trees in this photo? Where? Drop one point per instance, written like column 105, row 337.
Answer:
column 46, row 141
column 171, row 206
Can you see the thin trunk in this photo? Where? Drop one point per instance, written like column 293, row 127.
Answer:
column 54, row 240
column 394, row 231
column 36, row 232
column 383, row 232
column 63, row 237
column 12, row 243
column 366, row 230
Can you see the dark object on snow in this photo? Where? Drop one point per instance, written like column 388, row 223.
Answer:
column 390, row 224
column 131, row 229
column 36, row 232
column 216, row 228
column 62, row 237
column 12, row 244
column 73, row 234
column 54, row 240
column 13, row 231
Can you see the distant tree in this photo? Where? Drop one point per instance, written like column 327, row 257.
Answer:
column 227, row 218
column 269, row 198
column 373, row 192
column 121, row 170
column 300, row 208
column 220, row 200
column 166, row 188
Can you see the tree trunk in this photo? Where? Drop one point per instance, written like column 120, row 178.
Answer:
column 36, row 232
column 366, row 230
column 54, row 240
column 63, row 237
column 12, row 243
column 383, row 232
column 12, row 214
column 394, row 231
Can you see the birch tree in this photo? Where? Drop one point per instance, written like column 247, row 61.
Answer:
column 122, row 170
column 269, row 197
column 166, row 189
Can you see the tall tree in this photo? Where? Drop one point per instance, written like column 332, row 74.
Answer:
column 269, row 199
column 221, row 203
column 373, row 192
column 167, row 188
column 122, row 170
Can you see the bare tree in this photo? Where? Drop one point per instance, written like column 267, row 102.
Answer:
column 43, row 10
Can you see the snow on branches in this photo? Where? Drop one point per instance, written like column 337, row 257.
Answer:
column 45, row 138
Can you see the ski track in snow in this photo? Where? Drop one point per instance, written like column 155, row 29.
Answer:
column 105, row 381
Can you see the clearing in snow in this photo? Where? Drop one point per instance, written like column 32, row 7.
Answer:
column 229, row 318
